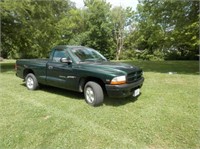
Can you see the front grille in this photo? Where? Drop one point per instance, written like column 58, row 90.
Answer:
column 134, row 76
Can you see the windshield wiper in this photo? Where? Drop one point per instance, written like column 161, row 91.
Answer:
column 94, row 60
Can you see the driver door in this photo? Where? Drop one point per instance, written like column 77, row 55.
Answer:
column 60, row 74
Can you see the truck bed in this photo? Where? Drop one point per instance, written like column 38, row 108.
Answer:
column 33, row 61
column 38, row 66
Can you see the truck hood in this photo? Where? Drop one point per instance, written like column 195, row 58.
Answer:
column 112, row 68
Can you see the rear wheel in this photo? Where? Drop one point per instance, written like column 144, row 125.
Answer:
column 31, row 82
column 93, row 93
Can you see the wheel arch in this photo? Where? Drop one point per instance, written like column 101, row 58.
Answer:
column 84, row 80
column 27, row 71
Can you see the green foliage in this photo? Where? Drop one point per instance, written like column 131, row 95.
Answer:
column 157, row 30
column 170, row 27
column 121, row 19
column 142, row 55
column 98, row 26
column 29, row 28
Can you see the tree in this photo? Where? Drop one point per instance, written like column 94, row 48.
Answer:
column 30, row 28
column 98, row 26
column 168, row 26
column 121, row 18
column 158, row 29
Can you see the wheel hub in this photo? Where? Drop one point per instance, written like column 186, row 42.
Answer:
column 89, row 94
column 30, row 82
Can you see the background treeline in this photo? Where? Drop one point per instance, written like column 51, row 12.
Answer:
column 157, row 30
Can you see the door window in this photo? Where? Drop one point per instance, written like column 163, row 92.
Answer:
column 58, row 54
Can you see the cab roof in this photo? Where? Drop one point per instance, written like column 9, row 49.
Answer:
column 61, row 47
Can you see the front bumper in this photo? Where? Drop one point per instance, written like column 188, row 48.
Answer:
column 125, row 90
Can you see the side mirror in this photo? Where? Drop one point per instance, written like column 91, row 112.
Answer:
column 66, row 60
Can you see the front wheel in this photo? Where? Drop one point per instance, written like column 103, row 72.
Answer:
column 31, row 82
column 93, row 93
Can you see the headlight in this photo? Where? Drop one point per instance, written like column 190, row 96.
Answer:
column 118, row 80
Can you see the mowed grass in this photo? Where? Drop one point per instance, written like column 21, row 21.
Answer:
column 165, row 115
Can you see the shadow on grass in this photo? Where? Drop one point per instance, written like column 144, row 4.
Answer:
column 119, row 101
column 59, row 91
column 5, row 67
column 80, row 96
column 179, row 67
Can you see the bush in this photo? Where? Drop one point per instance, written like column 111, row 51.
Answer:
column 177, row 55
column 142, row 55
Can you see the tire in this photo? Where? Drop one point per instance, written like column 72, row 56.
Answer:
column 93, row 93
column 31, row 82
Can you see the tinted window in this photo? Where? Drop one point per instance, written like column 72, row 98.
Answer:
column 87, row 54
column 58, row 54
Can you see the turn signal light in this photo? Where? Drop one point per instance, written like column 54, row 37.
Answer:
column 118, row 80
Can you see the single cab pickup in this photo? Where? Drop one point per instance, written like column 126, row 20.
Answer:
column 82, row 69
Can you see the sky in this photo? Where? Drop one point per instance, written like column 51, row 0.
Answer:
column 123, row 3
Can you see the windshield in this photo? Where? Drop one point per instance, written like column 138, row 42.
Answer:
column 87, row 54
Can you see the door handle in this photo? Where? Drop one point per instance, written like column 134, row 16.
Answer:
column 50, row 67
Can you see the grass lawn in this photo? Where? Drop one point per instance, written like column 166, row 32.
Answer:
column 165, row 115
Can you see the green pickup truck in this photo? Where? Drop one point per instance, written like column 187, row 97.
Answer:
column 82, row 69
